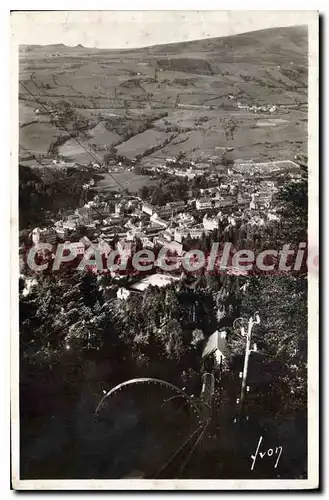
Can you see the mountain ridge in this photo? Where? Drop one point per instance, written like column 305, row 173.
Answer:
column 300, row 31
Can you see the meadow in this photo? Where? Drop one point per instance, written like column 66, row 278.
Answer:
column 184, row 97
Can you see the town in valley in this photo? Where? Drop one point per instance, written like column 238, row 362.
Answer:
column 169, row 148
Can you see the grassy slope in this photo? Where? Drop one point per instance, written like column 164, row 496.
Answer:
column 268, row 66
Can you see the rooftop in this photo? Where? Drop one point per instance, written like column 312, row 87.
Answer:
column 157, row 279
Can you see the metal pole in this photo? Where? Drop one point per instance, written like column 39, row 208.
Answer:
column 245, row 366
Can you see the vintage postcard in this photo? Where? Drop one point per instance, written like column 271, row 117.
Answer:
column 165, row 250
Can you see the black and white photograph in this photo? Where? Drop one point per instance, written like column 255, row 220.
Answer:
column 165, row 279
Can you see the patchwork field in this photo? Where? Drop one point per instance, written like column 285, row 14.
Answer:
column 162, row 100
column 37, row 136
column 102, row 136
column 141, row 142
column 128, row 180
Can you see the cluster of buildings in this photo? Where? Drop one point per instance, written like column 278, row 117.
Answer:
column 265, row 108
column 267, row 169
column 127, row 223
column 186, row 169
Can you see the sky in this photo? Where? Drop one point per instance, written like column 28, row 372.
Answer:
column 128, row 29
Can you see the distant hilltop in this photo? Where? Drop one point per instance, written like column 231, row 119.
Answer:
column 294, row 37
column 55, row 46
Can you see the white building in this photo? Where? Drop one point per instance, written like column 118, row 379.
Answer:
column 158, row 221
column 46, row 235
column 30, row 283
column 158, row 279
column 272, row 216
column 168, row 235
column 62, row 232
column 210, row 223
column 36, row 235
column 185, row 218
column 216, row 346
column 194, row 232
column 231, row 220
column 70, row 225
column 203, row 203
column 180, row 234
column 134, row 233
column 147, row 208
column 147, row 243
column 252, row 204
column 123, row 293
column 119, row 208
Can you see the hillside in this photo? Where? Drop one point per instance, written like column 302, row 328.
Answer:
column 194, row 96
